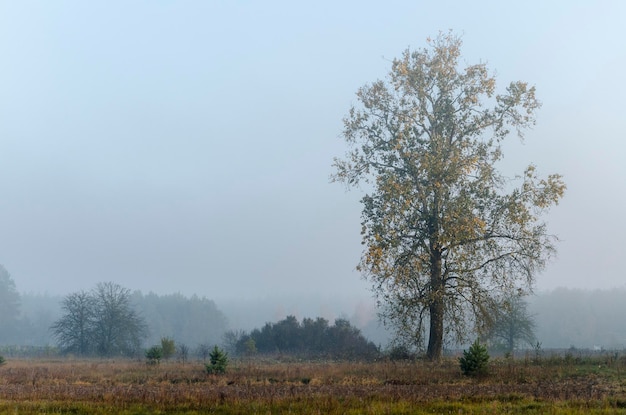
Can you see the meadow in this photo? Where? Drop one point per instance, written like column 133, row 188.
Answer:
column 555, row 385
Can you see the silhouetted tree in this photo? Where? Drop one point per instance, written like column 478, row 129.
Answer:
column 203, row 351
column 102, row 321
column 183, row 353
column 74, row 331
column 118, row 329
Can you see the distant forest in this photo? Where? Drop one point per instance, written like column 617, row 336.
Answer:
column 563, row 317
column 189, row 320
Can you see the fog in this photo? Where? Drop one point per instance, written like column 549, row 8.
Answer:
column 563, row 318
column 186, row 147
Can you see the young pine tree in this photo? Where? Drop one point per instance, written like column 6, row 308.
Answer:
column 474, row 361
column 219, row 361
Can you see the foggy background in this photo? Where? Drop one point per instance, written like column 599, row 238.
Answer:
column 187, row 146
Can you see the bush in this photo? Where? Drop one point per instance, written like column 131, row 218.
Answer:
column 203, row 351
column 250, row 347
column 168, row 346
column 474, row 361
column 183, row 352
column 2, row 361
column 399, row 353
column 219, row 361
column 309, row 339
column 154, row 355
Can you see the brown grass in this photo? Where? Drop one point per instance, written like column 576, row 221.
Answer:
column 133, row 386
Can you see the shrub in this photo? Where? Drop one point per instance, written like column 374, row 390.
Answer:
column 400, row 352
column 219, row 361
column 474, row 361
column 154, row 355
column 203, row 351
column 250, row 347
column 168, row 347
column 183, row 352
column 2, row 361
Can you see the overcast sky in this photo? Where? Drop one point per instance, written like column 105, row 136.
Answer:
column 186, row 146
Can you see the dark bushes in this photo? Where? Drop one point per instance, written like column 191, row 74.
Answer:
column 310, row 339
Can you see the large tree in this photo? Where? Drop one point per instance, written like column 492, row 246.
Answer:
column 102, row 321
column 118, row 329
column 445, row 232
column 74, row 331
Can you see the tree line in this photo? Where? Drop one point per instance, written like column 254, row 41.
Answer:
column 558, row 319
column 107, row 320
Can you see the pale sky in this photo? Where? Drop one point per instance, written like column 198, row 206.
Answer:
column 186, row 146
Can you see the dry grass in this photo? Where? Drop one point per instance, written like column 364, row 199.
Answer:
column 99, row 386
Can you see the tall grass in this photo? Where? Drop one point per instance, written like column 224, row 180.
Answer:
column 132, row 387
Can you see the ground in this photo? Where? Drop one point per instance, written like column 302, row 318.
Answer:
column 558, row 385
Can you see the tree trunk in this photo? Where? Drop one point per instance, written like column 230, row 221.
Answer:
column 436, row 309
column 435, row 338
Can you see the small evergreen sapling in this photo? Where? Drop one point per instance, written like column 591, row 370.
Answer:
column 154, row 355
column 219, row 361
column 474, row 361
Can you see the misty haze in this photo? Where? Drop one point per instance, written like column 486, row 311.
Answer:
column 231, row 184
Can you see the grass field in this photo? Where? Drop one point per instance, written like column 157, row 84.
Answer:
column 554, row 386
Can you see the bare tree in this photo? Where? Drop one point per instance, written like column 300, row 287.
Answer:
column 183, row 353
column 118, row 329
column 102, row 321
column 74, row 330
column 203, row 351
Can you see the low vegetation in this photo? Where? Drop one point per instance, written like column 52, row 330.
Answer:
column 219, row 362
column 474, row 360
column 557, row 385
column 311, row 338
column 154, row 355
